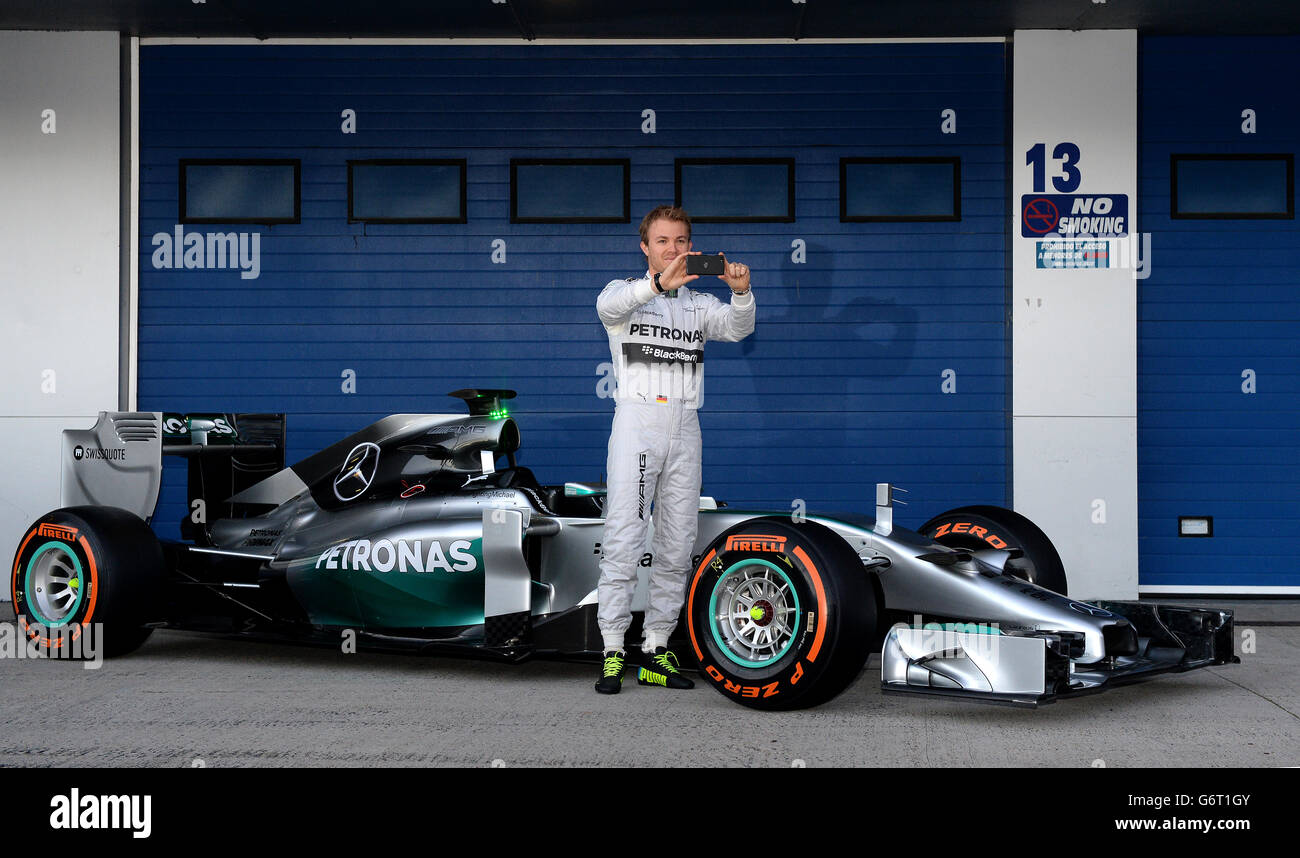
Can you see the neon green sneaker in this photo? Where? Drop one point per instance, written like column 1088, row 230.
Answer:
column 660, row 668
column 611, row 672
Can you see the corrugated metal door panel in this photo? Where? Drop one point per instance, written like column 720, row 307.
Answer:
column 1220, row 300
column 841, row 385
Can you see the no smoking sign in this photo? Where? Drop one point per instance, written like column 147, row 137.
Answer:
column 1040, row 216
column 1082, row 215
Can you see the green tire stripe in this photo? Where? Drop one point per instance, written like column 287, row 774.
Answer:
column 713, row 614
column 27, row 584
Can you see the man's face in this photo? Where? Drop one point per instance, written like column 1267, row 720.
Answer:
column 669, row 239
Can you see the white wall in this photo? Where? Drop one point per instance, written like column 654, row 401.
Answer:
column 59, row 224
column 1074, row 332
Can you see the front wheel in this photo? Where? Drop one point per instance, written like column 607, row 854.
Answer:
column 976, row 527
column 780, row 615
column 86, row 580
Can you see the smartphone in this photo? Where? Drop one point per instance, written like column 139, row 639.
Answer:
column 702, row 265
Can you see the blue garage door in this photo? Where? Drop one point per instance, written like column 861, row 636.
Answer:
column 881, row 348
column 1219, row 317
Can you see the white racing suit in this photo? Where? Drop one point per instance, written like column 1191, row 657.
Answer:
column 657, row 343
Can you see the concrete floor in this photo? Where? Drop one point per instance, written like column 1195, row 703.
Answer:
column 185, row 697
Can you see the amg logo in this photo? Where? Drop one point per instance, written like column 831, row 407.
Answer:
column 755, row 542
column 467, row 429
column 674, row 334
column 55, row 531
column 133, row 812
column 640, row 506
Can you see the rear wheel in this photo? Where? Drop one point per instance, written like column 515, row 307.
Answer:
column 976, row 527
column 85, row 581
column 780, row 615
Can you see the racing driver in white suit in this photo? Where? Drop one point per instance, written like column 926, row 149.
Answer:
column 657, row 329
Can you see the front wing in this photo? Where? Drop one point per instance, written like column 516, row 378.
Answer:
column 981, row 663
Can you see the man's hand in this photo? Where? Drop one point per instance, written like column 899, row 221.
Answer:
column 674, row 276
column 735, row 275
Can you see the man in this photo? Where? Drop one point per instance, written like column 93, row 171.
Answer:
column 657, row 328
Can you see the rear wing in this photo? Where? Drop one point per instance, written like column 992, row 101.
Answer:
column 118, row 461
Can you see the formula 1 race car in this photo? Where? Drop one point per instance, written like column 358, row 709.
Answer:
column 409, row 535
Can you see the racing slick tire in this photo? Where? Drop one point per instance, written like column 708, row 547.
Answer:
column 85, row 580
column 780, row 615
column 976, row 527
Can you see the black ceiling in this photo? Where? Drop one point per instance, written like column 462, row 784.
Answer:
column 646, row 19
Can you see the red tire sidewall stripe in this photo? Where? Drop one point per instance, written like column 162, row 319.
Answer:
column 94, row 581
column 13, row 589
column 690, row 605
column 811, row 568
column 50, row 639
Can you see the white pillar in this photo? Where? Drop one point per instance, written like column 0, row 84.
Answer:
column 1074, row 331
column 59, row 224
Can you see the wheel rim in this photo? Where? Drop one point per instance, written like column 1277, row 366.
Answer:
column 54, row 584
column 754, row 613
